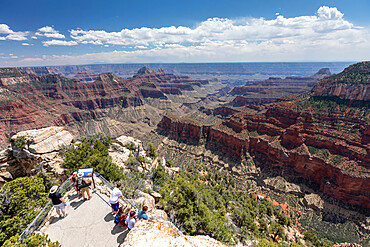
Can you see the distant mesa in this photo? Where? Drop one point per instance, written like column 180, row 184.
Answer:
column 273, row 88
column 145, row 71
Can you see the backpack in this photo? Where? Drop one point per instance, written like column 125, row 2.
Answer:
column 117, row 219
column 82, row 184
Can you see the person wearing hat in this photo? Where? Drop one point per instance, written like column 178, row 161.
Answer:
column 58, row 201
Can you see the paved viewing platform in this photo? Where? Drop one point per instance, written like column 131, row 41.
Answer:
column 89, row 223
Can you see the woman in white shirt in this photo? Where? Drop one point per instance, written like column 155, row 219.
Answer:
column 131, row 220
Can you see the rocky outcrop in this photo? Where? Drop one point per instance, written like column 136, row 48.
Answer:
column 34, row 150
column 161, row 233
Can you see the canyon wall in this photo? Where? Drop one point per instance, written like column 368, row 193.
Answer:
column 281, row 138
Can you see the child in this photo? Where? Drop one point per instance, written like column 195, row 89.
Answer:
column 126, row 209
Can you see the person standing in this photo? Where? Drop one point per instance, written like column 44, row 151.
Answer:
column 142, row 213
column 84, row 186
column 114, row 196
column 74, row 180
column 58, row 201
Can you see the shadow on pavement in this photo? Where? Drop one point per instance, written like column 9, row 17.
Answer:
column 74, row 196
column 56, row 219
column 121, row 238
column 117, row 229
column 109, row 217
column 75, row 205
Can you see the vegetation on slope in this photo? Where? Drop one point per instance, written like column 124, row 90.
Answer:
column 354, row 74
column 34, row 240
column 20, row 202
column 200, row 201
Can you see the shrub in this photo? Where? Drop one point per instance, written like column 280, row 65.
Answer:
column 152, row 150
column 20, row 201
column 170, row 163
column 131, row 146
column 33, row 240
column 93, row 154
column 20, row 142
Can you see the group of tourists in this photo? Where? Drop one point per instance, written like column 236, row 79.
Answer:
column 124, row 216
column 80, row 184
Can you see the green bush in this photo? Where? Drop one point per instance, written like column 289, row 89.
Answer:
column 91, row 153
column 131, row 146
column 170, row 163
column 20, row 142
column 34, row 240
column 20, row 202
column 152, row 150
column 132, row 182
column 200, row 199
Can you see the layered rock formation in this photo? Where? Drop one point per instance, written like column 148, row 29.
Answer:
column 324, row 142
column 271, row 89
column 34, row 150
column 110, row 104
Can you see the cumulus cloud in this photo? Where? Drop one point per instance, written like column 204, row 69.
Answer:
column 326, row 20
column 49, row 32
column 11, row 35
column 4, row 29
column 59, row 42
column 324, row 36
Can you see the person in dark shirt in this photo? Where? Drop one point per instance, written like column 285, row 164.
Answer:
column 58, row 201
column 142, row 213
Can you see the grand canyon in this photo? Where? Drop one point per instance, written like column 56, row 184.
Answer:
column 301, row 140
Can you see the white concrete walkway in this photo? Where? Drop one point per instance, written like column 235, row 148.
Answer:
column 89, row 223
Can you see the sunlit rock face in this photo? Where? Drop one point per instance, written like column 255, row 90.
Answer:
column 161, row 233
column 39, row 149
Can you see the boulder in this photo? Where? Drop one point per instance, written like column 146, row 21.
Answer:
column 4, row 155
column 45, row 140
column 158, row 214
column 156, row 196
column 124, row 140
column 145, row 200
column 7, row 176
column 313, row 201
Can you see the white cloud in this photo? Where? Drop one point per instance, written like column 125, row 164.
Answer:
column 324, row 36
column 25, row 44
column 59, row 42
column 11, row 35
column 4, row 29
column 49, row 32
column 327, row 20
column 18, row 36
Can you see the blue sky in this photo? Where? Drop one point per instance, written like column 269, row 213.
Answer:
column 51, row 32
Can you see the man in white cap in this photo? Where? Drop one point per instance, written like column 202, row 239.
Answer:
column 57, row 201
